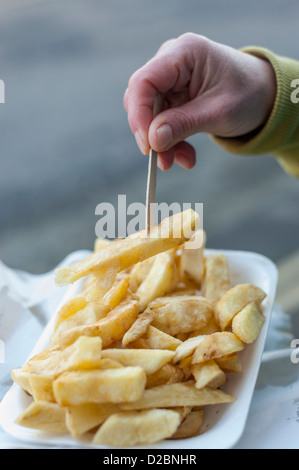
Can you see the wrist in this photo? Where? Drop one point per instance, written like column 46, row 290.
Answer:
column 266, row 92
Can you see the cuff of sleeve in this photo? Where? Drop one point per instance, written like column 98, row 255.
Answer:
column 290, row 164
column 281, row 125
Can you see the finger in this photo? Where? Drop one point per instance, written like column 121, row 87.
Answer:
column 159, row 75
column 185, row 155
column 175, row 125
column 165, row 160
column 139, row 102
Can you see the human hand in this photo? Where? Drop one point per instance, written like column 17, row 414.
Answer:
column 207, row 87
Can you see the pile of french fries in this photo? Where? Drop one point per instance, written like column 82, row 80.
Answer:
column 137, row 356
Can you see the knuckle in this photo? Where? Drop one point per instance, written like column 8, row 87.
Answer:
column 166, row 44
column 133, row 79
column 185, row 124
column 190, row 38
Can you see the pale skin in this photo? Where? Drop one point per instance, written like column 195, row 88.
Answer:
column 206, row 87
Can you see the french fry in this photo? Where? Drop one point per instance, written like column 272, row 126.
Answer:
column 234, row 300
column 84, row 353
column 183, row 290
column 139, row 343
column 44, row 354
column 100, row 386
column 171, row 299
column 157, row 339
column 187, row 348
column 178, row 394
column 217, row 280
column 42, row 387
column 122, row 254
column 183, row 411
column 83, row 418
column 139, row 272
column 158, row 281
column 149, row 359
column 44, row 416
column 192, row 261
column 211, row 327
column 248, row 322
column 44, row 364
column 108, row 363
column 100, row 284
column 230, row 363
column 183, row 314
column 182, row 336
column 190, row 426
column 185, row 364
column 22, row 378
column 93, row 312
column 208, row 374
column 137, row 428
column 168, row 374
column 117, row 292
column 110, row 329
column 138, row 328
column 100, row 243
column 217, row 345
column 67, row 310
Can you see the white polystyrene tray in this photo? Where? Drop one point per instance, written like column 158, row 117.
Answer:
column 223, row 424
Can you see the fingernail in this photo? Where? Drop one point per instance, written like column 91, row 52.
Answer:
column 164, row 136
column 140, row 142
column 161, row 164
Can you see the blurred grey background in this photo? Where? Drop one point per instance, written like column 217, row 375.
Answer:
column 65, row 142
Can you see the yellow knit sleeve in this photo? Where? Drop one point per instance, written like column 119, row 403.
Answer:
column 280, row 134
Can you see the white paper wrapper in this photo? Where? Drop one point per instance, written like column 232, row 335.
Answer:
column 27, row 302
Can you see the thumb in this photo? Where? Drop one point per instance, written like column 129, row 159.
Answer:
column 174, row 125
